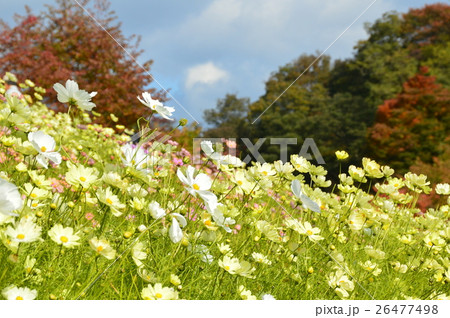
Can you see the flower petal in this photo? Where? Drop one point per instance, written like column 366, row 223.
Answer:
column 63, row 94
column 296, row 188
column 180, row 219
column 175, row 232
column 53, row 156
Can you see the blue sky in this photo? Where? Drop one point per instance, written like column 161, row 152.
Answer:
column 204, row 49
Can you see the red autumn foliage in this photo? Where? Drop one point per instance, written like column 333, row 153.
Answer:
column 65, row 43
column 428, row 25
column 413, row 125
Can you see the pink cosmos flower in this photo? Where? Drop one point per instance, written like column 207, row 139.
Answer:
column 177, row 161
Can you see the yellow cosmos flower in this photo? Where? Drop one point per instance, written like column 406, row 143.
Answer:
column 78, row 175
column 102, row 247
column 341, row 155
column 64, row 236
column 158, row 292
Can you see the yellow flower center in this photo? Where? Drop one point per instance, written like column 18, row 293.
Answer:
column 34, row 205
column 158, row 295
column 240, row 182
column 208, row 222
column 265, row 173
column 156, row 174
column 43, row 149
column 351, row 222
column 19, row 298
column 109, row 201
column 100, row 248
column 227, row 268
column 309, row 232
column 430, row 243
column 33, row 195
column 82, row 179
column 64, row 239
column 196, row 187
column 20, row 236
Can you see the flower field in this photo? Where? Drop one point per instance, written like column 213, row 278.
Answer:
column 88, row 212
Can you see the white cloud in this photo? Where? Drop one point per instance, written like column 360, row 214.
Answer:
column 221, row 12
column 206, row 73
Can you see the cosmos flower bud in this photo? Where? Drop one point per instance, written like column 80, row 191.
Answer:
column 142, row 228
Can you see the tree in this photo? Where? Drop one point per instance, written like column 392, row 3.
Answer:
column 428, row 31
column 226, row 119
column 288, row 114
column 65, row 43
column 397, row 46
column 336, row 103
column 414, row 124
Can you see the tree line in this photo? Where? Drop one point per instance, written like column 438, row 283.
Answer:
column 389, row 101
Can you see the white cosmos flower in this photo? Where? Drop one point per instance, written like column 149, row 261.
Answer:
column 268, row 297
column 102, row 247
column 71, row 94
column 13, row 292
column 231, row 160
column 307, row 202
column 157, row 106
column 213, row 208
column 158, row 292
column 175, row 232
column 209, row 151
column 10, row 199
column 230, row 264
column 45, row 145
column 26, row 231
column 135, row 157
column 138, row 254
column 155, row 210
column 64, row 236
column 443, row 188
column 199, row 184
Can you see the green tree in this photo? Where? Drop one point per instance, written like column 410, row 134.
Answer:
column 227, row 118
column 282, row 113
column 397, row 46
